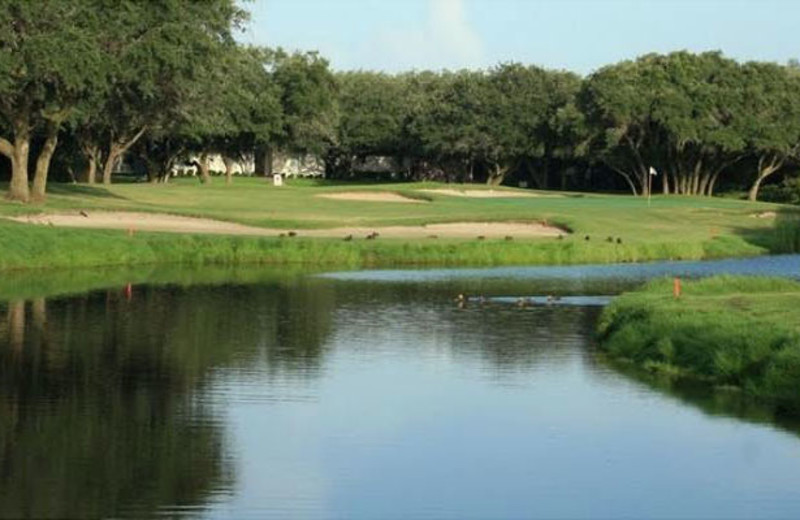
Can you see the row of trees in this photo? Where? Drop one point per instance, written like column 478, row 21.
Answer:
column 84, row 82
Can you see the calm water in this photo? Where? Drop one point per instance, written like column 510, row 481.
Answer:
column 370, row 395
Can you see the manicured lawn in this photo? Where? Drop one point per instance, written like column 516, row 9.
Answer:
column 254, row 201
column 621, row 228
column 732, row 331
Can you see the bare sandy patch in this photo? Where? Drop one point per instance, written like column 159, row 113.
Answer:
column 143, row 222
column 370, row 196
column 455, row 230
column 479, row 194
column 765, row 214
column 180, row 224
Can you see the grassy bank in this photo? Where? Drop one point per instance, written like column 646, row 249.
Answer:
column 37, row 247
column 730, row 331
column 620, row 228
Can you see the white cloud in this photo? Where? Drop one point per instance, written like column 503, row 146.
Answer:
column 446, row 39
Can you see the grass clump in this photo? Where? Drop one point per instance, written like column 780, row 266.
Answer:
column 739, row 332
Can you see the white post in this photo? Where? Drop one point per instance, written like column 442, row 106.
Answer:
column 652, row 173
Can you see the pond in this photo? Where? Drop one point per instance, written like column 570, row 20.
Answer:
column 371, row 394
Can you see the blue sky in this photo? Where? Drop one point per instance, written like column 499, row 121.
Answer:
column 578, row 35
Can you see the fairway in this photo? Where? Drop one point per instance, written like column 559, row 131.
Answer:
column 308, row 205
column 304, row 222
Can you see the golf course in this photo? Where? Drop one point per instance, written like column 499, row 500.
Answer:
column 368, row 225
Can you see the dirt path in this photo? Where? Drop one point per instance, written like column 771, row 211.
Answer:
column 179, row 224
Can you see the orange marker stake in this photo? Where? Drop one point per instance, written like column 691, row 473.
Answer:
column 128, row 292
column 676, row 287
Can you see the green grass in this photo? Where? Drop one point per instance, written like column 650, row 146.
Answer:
column 741, row 332
column 672, row 227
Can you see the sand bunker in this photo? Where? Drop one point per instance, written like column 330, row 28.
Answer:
column 370, row 196
column 479, row 194
column 143, row 222
column 178, row 224
column 765, row 214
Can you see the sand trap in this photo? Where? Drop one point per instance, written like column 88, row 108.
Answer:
column 370, row 196
column 765, row 214
column 143, row 222
column 178, row 224
column 479, row 194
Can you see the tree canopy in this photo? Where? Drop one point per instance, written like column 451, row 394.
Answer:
column 165, row 82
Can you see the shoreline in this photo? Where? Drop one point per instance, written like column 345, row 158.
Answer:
column 730, row 332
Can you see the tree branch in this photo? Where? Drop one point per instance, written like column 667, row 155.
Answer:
column 6, row 148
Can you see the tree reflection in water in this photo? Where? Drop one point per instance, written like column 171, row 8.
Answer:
column 103, row 407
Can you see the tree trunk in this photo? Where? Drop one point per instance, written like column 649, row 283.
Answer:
column 497, row 176
column 16, row 325
column 114, row 153
column 764, row 171
column 116, row 150
column 228, row 170
column 202, row 165
column 19, row 152
column 38, row 193
column 263, row 161
column 91, row 152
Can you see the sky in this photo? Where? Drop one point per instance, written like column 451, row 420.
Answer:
column 576, row 35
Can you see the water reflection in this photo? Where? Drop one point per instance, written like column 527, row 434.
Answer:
column 324, row 397
column 101, row 407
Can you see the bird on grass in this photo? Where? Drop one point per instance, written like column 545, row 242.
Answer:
column 291, row 234
column 348, row 238
column 84, row 214
column 509, row 237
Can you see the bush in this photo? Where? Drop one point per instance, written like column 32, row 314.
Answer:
column 787, row 192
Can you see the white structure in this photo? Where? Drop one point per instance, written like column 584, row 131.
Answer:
column 277, row 179
column 307, row 165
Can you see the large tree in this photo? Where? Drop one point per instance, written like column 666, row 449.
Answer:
column 681, row 113
column 50, row 59
column 163, row 55
column 772, row 103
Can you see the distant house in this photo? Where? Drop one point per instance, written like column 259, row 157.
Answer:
column 298, row 165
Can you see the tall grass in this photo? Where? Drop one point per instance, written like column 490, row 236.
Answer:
column 786, row 235
column 31, row 247
column 732, row 331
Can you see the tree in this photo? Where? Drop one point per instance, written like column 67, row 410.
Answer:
column 373, row 108
column 162, row 55
column 50, row 59
column 772, row 97
column 247, row 111
column 679, row 112
column 308, row 100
